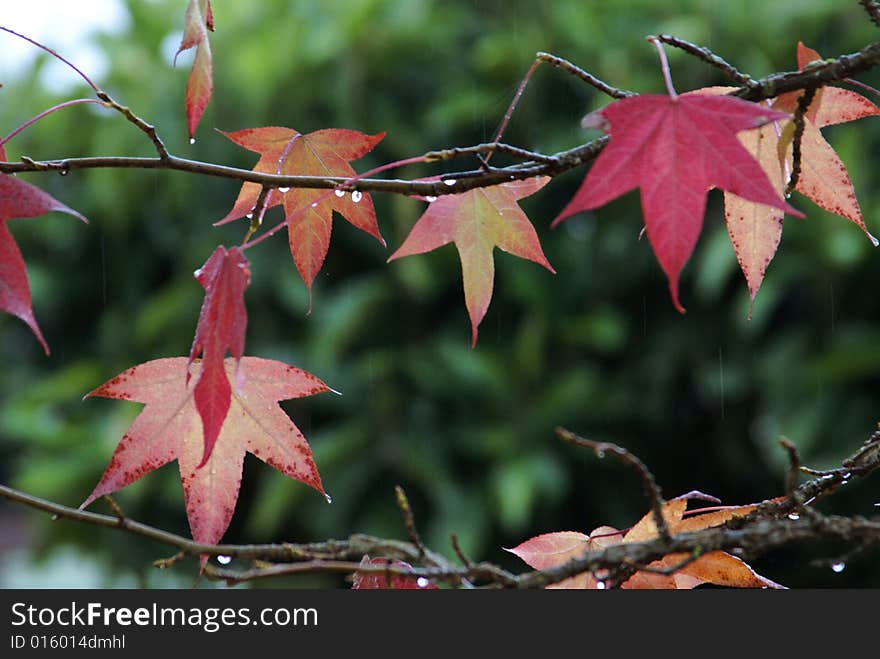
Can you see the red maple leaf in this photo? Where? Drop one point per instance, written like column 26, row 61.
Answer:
column 20, row 199
column 755, row 230
column 309, row 212
column 477, row 221
column 199, row 20
column 716, row 567
column 222, row 324
column 675, row 149
column 378, row 580
column 169, row 428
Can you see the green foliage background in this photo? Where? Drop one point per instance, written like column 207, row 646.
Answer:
column 703, row 398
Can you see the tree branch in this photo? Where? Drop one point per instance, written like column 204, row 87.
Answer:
column 535, row 164
column 768, row 527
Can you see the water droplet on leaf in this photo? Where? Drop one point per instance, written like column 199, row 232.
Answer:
column 838, row 567
column 600, row 585
column 356, row 196
column 328, row 498
column 64, row 172
column 430, row 199
column 283, row 189
column 192, row 140
column 794, row 516
column 250, row 216
column 340, row 193
column 422, row 582
column 450, row 181
column 224, row 560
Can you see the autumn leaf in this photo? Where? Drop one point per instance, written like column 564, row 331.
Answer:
column 717, row 567
column 19, row 199
column 198, row 21
column 674, row 149
column 222, row 324
column 309, row 212
column 169, row 428
column 552, row 549
column 755, row 230
column 378, row 580
column 477, row 221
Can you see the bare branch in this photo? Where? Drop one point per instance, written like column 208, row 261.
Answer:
column 797, row 140
column 873, row 9
column 766, row 528
column 652, row 490
column 710, row 58
column 832, row 70
column 409, row 521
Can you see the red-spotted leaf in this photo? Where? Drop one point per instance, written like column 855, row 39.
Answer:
column 21, row 200
column 169, row 428
column 309, row 213
column 222, row 324
column 379, row 580
column 477, row 221
column 674, row 149
column 198, row 21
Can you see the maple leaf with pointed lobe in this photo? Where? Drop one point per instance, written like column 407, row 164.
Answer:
column 755, row 230
column 675, row 149
column 169, row 428
column 377, row 580
column 716, row 567
column 222, row 324
column 19, row 199
column 477, row 221
column 198, row 21
column 309, row 212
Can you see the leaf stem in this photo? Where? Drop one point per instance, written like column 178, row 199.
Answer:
column 46, row 113
column 664, row 64
column 55, row 55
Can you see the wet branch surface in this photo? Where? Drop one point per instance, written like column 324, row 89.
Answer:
column 786, row 521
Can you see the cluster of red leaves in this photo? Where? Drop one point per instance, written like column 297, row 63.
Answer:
column 676, row 148
column 673, row 148
column 717, row 567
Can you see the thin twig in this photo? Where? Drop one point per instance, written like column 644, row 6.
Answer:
column 467, row 562
column 710, row 58
column 588, row 78
column 409, row 520
column 799, row 121
column 115, row 507
column 55, row 55
column 873, row 9
column 652, row 490
column 46, row 113
column 488, row 148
